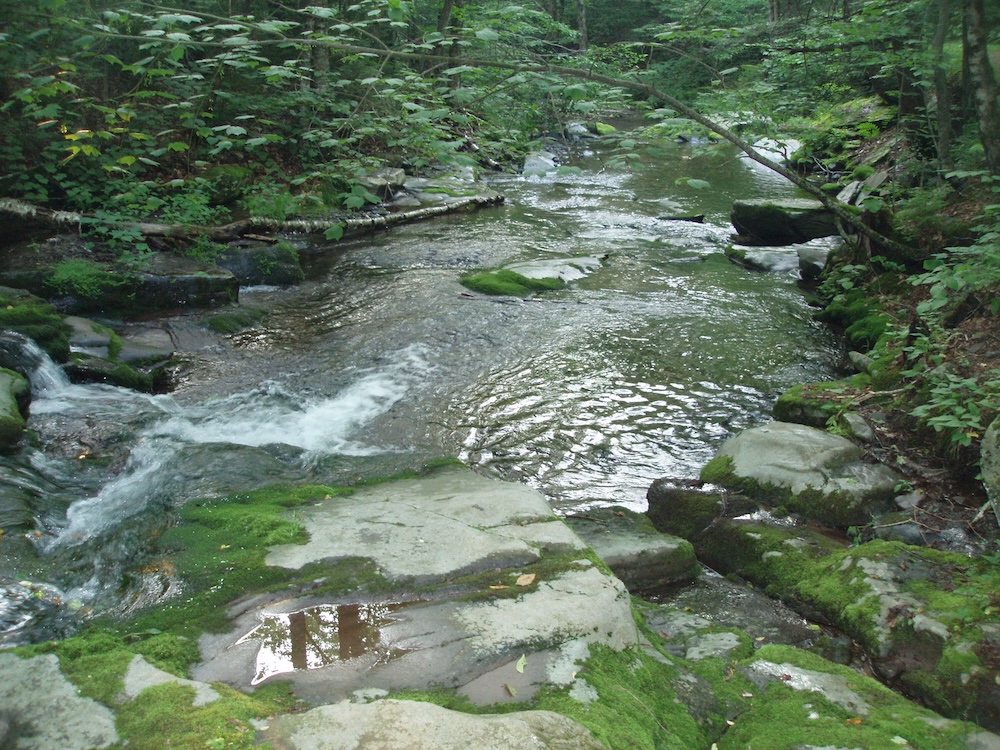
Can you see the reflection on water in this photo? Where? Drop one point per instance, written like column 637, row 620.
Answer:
column 318, row 636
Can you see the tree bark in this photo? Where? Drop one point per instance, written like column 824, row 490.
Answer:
column 945, row 132
column 982, row 83
column 31, row 214
column 581, row 23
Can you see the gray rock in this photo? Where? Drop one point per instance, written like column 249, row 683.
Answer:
column 860, row 429
column 989, row 463
column 430, row 531
column 538, row 163
column 812, row 472
column 384, row 181
column 410, row 725
column 48, row 712
column 88, row 337
column 635, row 551
column 782, row 222
column 831, row 686
column 452, row 523
column 567, row 269
column 141, row 675
column 812, row 260
column 275, row 265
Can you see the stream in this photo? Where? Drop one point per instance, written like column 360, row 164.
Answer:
column 381, row 361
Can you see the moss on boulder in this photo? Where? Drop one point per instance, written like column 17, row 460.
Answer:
column 35, row 318
column 15, row 391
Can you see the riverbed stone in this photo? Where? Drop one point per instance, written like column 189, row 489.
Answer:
column 788, row 221
column 638, row 554
column 686, row 509
column 808, row 471
column 410, row 725
column 45, row 710
column 425, row 534
column 15, row 390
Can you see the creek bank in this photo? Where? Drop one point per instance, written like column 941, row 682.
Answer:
column 380, row 636
column 367, row 631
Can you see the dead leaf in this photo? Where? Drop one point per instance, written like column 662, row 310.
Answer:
column 855, row 721
column 525, row 580
column 510, row 691
column 495, row 588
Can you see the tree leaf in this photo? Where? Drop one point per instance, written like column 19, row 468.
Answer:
column 488, row 35
column 335, row 232
column 525, row 580
column 520, row 664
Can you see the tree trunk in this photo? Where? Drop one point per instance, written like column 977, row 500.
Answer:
column 982, row 82
column 945, row 132
column 581, row 23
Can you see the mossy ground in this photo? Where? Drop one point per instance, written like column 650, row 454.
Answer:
column 509, row 283
column 234, row 320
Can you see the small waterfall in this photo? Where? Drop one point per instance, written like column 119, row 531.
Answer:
column 158, row 472
column 20, row 353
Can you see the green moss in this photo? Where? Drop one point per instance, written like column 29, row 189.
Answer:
column 509, row 283
column 814, row 404
column 36, row 319
column 781, row 718
column 863, row 321
column 83, row 278
column 718, row 471
column 234, row 320
column 637, row 709
column 163, row 716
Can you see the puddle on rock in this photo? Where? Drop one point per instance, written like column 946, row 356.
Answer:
column 318, row 636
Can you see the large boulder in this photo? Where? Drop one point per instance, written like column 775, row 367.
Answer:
column 782, row 222
column 806, row 471
column 918, row 613
column 274, row 265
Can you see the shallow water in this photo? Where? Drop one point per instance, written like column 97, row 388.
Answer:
column 381, row 361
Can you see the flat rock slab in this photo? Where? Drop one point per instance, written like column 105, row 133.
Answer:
column 453, row 523
column 629, row 544
column 47, row 711
column 407, row 725
column 431, row 530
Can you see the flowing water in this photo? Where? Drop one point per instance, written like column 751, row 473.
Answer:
column 381, row 361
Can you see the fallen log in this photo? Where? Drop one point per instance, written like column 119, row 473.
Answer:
column 32, row 214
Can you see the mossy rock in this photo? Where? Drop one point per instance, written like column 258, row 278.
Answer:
column 922, row 616
column 35, row 318
column 687, row 511
column 863, row 320
column 234, row 320
column 814, row 404
column 15, row 390
column 509, row 283
column 275, row 265
column 782, row 222
column 85, row 368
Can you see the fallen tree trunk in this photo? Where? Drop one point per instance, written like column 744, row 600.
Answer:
column 32, row 214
